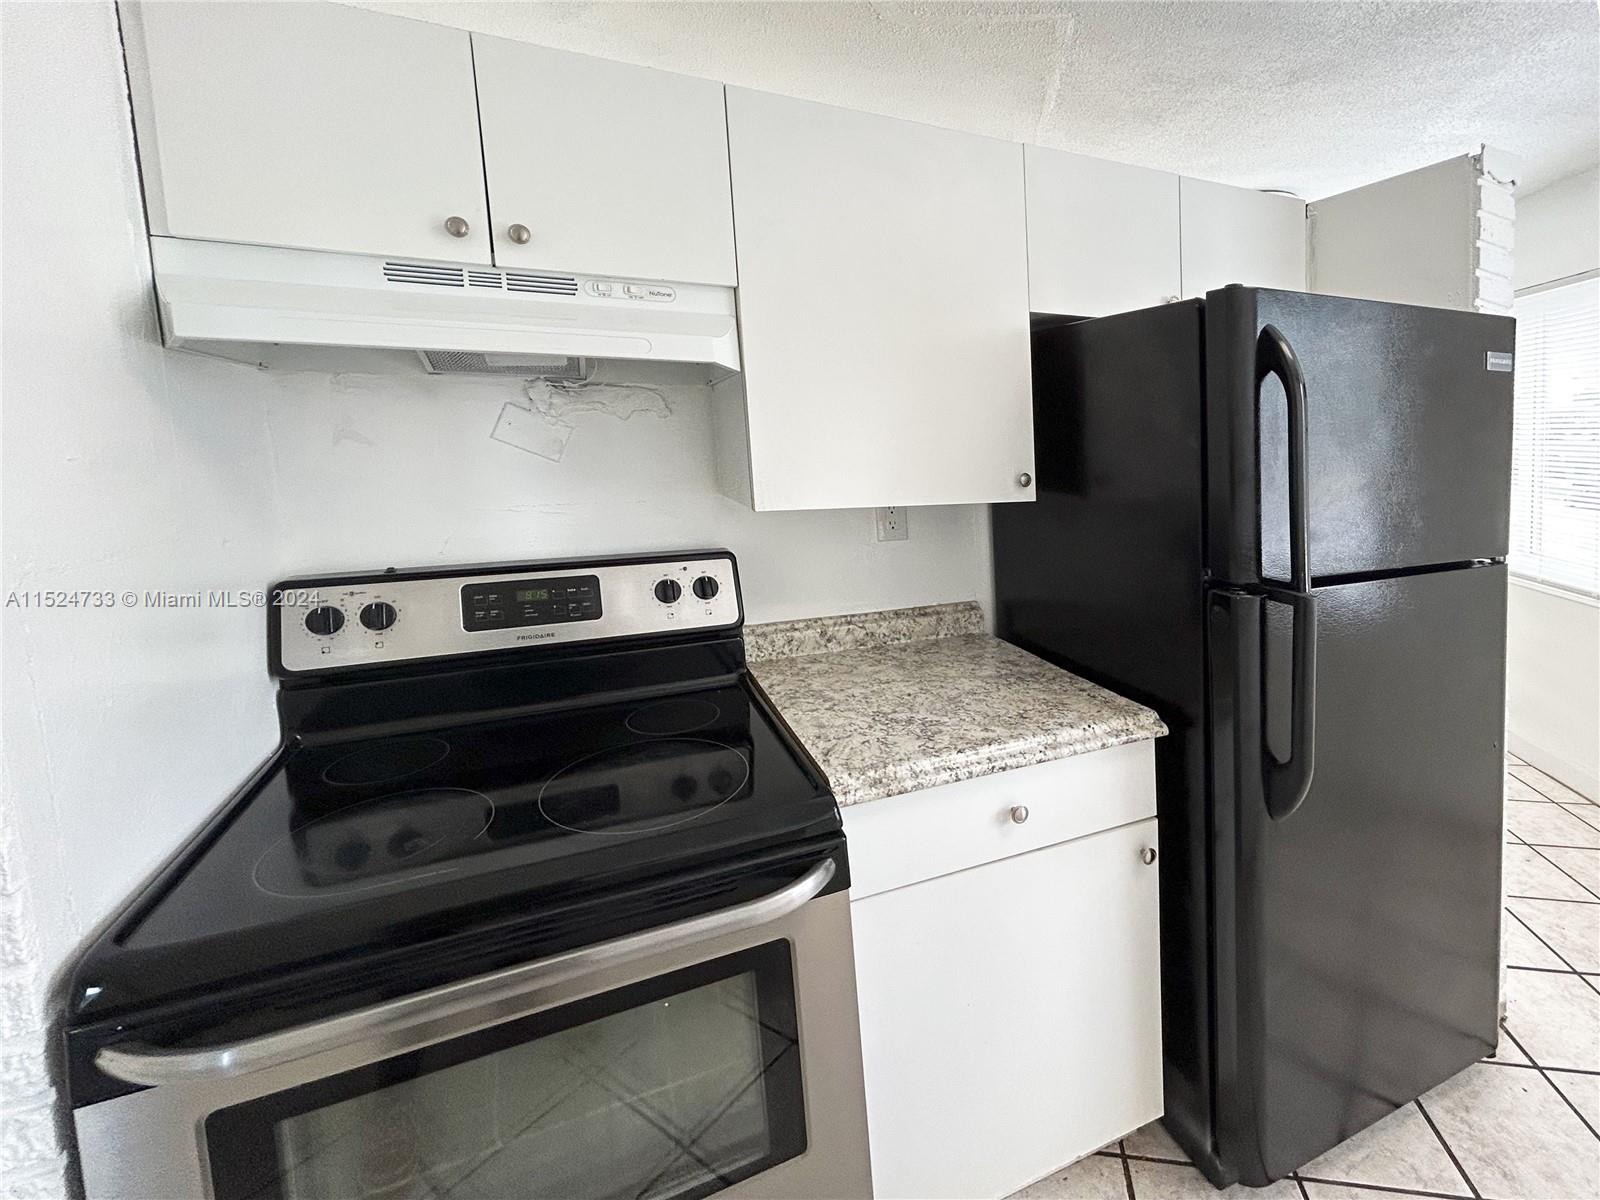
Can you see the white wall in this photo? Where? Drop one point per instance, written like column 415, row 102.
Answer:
column 128, row 467
column 1558, row 230
column 1553, row 639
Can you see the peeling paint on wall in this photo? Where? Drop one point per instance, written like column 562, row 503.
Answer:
column 546, row 427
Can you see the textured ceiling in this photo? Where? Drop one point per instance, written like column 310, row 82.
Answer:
column 1310, row 97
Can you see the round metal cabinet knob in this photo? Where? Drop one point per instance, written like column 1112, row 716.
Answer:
column 519, row 234
column 457, row 227
column 1147, row 855
column 1019, row 814
column 1024, row 480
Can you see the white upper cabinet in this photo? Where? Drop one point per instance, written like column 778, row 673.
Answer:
column 1236, row 235
column 307, row 125
column 1102, row 236
column 609, row 168
column 883, row 304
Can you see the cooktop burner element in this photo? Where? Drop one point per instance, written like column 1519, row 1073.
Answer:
column 647, row 786
column 386, row 761
column 376, row 843
column 666, row 717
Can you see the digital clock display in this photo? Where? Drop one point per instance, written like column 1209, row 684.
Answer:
column 517, row 603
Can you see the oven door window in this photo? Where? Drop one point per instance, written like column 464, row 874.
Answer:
column 678, row 1086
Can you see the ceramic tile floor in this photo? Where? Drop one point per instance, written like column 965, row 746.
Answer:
column 1522, row 1126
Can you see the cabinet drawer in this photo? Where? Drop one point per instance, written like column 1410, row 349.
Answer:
column 901, row 840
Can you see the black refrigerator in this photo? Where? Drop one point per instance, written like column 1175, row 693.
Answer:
column 1281, row 521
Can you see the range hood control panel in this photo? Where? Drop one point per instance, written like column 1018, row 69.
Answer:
column 341, row 622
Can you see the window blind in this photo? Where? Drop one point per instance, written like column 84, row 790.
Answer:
column 1555, row 462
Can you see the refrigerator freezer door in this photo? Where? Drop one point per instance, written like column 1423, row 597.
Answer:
column 1409, row 435
column 1357, row 936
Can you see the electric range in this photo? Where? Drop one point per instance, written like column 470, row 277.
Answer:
column 523, row 816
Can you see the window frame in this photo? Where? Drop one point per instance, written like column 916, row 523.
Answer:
column 1517, row 575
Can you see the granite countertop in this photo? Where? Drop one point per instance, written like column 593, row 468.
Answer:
column 912, row 698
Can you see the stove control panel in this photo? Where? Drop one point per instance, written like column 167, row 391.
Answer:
column 535, row 601
column 339, row 622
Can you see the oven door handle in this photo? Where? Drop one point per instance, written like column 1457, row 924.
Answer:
column 409, row 1022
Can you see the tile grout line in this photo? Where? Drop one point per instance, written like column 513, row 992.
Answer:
column 1562, row 869
column 1550, row 899
column 1545, row 1075
column 1301, row 1184
column 1522, row 841
column 1471, row 1187
column 1543, row 970
column 1127, row 1171
column 1541, row 791
column 1515, row 917
column 1568, row 809
column 1380, row 1187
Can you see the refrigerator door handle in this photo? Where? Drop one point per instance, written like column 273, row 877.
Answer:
column 1286, row 781
column 1275, row 356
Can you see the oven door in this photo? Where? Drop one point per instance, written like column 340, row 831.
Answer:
column 720, row 1056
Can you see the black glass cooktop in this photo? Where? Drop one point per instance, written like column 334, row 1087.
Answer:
column 374, row 842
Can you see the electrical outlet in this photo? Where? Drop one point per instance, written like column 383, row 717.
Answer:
column 892, row 525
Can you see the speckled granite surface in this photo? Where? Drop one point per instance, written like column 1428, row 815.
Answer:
column 858, row 631
column 895, row 709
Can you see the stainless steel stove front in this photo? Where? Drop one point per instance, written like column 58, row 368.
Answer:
column 701, row 1111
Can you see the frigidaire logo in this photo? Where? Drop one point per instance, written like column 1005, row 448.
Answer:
column 534, row 637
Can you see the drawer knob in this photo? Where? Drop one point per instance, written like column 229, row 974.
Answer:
column 457, row 227
column 1147, row 855
column 519, row 234
column 1019, row 813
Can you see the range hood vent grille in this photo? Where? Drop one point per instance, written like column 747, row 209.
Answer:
column 525, row 366
column 549, row 285
column 425, row 273
column 437, row 275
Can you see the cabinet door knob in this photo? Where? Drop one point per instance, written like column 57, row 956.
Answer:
column 1019, row 813
column 519, row 234
column 1147, row 855
column 1024, row 480
column 457, row 226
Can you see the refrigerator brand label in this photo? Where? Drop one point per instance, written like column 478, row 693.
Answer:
column 1499, row 360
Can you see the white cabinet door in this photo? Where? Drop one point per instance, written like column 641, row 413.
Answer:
column 1010, row 1016
column 307, row 125
column 883, row 308
column 1235, row 235
column 1102, row 236
column 613, row 169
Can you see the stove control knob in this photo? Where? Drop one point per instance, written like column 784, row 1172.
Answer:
column 378, row 615
column 325, row 621
column 668, row 591
column 705, row 587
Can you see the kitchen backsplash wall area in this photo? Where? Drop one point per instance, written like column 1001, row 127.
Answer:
column 156, row 489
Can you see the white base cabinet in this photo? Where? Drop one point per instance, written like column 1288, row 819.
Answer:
column 1010, row 1011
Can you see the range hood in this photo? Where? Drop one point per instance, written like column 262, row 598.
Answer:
column 224, row 292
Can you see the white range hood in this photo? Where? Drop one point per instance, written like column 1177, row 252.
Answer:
column 224, row 292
